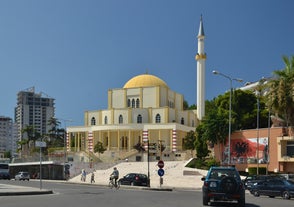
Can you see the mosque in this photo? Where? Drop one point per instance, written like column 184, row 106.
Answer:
column 144, row 112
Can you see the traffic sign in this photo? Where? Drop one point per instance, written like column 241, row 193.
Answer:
column 160, row 164
column 160, row 172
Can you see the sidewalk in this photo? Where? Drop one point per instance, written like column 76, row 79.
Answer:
column 12, row 190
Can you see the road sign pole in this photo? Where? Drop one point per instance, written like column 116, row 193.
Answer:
column 160, row 171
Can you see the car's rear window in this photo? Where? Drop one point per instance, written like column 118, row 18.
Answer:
column 220, row 173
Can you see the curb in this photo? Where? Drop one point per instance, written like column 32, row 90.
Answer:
column 26, row 193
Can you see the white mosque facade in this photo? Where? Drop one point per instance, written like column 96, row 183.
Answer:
column 144, row 110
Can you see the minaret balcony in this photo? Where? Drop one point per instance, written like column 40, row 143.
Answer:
column 200, row 56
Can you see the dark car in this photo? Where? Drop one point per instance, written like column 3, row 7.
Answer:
column 223, row 184
column 134, row 179
column 4, row 175
column 274, row 188
column 250, row 180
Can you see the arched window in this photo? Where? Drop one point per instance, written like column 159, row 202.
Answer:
column 139, row 119
column 93, row 121
column 133, row 103
column 120, row 119
column 137, row 103
column 105, row 120
column 157, row 118
column 129, row 103
column 182, row 121
column 193, row 124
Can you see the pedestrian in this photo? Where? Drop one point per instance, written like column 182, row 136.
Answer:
column 92, row 177
column 83, row 176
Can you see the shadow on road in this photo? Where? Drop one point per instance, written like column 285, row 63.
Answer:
column 225, row 204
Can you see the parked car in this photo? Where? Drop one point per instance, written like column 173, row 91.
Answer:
column 22, row 176
column 250, row 180
column 134, row 179
column 223, row 184
column 4, row 175
column 274, row 188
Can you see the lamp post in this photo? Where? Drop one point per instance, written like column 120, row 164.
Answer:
column 257, row 130
column 258, row 94
column 268, row 139
column 230, row 108
column 148, row 162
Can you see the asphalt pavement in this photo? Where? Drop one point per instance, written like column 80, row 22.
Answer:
column 176, row 176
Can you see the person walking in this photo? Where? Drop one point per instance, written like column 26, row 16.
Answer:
column 83, row 176
column 92, row 177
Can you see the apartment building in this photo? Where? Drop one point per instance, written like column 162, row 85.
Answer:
column 8, row 137
column 33, row 109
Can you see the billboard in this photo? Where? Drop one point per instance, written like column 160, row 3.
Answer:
column 251, row 150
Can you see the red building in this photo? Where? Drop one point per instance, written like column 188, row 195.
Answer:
column 272, row 148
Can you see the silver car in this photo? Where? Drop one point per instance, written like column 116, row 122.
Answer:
column 22, row 176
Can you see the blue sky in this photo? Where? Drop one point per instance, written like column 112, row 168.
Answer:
column 74, row 51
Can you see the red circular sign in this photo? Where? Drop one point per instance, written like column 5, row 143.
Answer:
column 160, row 164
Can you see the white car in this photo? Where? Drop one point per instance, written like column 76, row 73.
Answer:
column 22, row 176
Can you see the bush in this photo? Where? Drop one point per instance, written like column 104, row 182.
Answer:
column 202, row 164
column 253, row 170
column 211, row 162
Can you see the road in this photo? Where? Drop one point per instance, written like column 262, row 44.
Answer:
column 76, row 195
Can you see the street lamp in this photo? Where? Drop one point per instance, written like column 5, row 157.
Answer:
column 258, row 94
column 230, row 108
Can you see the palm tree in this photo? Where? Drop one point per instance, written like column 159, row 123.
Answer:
column 55, row 135
column 281, row 92
column 31, row 136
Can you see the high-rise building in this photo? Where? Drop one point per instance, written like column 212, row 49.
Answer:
column 8, row 137
column 33, row 109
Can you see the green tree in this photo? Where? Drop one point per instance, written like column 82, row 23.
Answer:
column 29, row 137
column 281, row 92
column 215, row 127
column 244, row 109
column 99, row 148
column 189, row 141
column 7, row 154
column 201, row 143
column 56, row 135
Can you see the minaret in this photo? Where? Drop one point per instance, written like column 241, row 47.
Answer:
column 200, row 58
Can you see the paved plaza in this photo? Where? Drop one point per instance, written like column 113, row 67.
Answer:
column 176, row 175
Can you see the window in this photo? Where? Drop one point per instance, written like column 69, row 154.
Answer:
column 157, row 118
column 290, row 148
column 139, row 119
column 182, row 121
column 120, row 119
column 105, row 120
column 137, row 103
column 133, row 103
column 193, row 124
column 129, row 103
column 93, row 121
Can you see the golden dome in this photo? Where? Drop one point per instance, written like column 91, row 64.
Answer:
column 144, row 80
